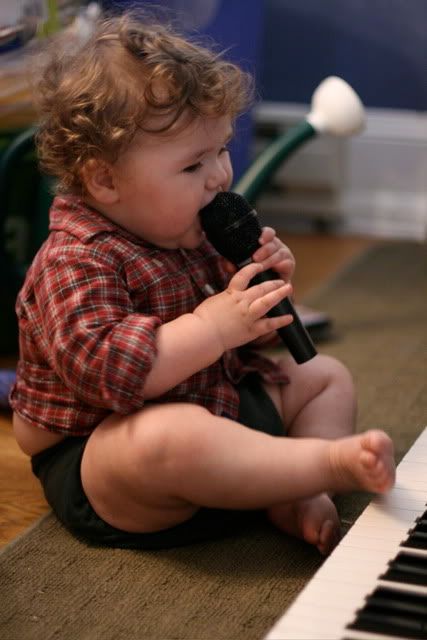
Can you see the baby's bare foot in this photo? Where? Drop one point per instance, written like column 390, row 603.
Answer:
column 363, row 462
column 315, row 520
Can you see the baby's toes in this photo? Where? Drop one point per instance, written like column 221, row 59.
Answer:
column 383, row 475
column 368, row 459
column 387, row 476
column 329, row 536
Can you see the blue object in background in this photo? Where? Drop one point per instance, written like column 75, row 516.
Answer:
column 7, row 379
column 379, row 47
column 235, row 26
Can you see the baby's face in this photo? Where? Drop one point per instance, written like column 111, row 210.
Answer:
column 164, row 181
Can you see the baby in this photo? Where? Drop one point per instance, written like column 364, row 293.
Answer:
column 150, row 417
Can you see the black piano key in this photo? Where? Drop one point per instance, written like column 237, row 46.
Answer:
column 408, row 569
column 391, row 626
column 417, row 535
column 422, row 518
column 421, row 525
column 403, row 602
column 392, row 612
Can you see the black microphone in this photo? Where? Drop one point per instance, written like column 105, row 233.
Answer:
column 232, row 227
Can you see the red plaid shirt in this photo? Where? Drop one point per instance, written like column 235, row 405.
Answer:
column 88, row 314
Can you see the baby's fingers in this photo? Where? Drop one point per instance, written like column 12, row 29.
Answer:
column 273, row 294
column 241, row 280
column 266, row 325
column 263, row 288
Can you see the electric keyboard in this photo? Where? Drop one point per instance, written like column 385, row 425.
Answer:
column 374, row 584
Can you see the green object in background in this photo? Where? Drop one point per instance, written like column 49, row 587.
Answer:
column 25, row 198
column 53, row 23
column 255, row 179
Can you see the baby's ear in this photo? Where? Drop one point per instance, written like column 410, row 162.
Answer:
column 98, row 178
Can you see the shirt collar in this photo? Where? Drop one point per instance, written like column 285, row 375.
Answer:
column 72, row 215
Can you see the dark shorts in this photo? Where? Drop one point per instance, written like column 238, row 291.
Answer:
column 58, row 469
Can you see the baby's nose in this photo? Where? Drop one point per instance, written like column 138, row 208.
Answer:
column 217, row 177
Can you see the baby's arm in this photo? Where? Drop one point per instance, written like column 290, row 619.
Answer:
column 112, row 357
column 224, row 321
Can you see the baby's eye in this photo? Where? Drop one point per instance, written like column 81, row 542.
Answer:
column 224, row 150
column 193, row 167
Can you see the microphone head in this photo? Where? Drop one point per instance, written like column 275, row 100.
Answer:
column 231, row 226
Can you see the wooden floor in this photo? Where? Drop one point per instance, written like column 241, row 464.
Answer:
column 318, row 257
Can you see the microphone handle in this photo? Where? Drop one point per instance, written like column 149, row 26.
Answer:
column 295, row 335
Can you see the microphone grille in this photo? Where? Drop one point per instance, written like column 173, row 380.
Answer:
column 232, row 226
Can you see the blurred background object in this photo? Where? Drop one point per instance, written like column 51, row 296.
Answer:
column 24, row 28
column 371, row 184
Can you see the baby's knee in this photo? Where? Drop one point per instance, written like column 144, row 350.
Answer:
column 323, row 370
column 335, row 373
column 168, row 435
column 335, row 369
column 339, row 382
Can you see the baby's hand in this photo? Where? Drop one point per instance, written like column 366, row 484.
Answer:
column 273, row 254
column 237, row 315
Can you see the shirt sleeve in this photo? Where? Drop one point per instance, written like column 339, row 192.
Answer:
column 100, row 348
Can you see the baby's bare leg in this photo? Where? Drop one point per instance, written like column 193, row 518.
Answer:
column 318, row 402
column 360, row 462
column 156, row 468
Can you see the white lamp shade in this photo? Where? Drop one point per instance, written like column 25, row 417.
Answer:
column 336, row 108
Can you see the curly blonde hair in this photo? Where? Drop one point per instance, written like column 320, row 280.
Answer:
column 130, row 76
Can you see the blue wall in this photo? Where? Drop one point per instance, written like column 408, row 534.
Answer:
column 378, row 46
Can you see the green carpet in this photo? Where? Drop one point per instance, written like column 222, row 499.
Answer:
column 52, row 586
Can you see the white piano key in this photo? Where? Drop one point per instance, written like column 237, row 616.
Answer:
column 419, row 446
column 308, row 622
column 412, row 551
column 372, row 562
column 403, row 586
column 402, row 498
column 351, row 575
column 411, row 470
column 421, row 440
column 307, row 619
column 362, row 635
column 371, row 543
column 417, row 456
column 329, row 602
column 347, row 569
column 294, row 633
column 417, row 484
column 371, row 528
column 379, row 516
column 361, row 574
column 305, row 623
column 365, row 569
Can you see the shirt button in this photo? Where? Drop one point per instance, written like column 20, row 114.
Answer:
column 208, row 289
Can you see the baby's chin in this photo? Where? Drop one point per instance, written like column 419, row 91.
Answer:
column 192, row 241
column 190, row 245
column 188, row 242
